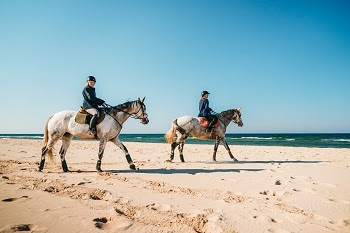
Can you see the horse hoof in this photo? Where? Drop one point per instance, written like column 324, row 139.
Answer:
column 132, row 167
column 66, row 170
column 99, row 170
column 235, row 160
column 168, row 161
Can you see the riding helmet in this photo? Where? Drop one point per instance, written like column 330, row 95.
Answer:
column 204, row 93
column 91, row 78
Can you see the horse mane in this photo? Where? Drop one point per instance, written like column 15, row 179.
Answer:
column 227, row 112
column 123, row 105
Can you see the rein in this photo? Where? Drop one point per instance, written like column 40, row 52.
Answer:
column 132, row 115
column 225, row 118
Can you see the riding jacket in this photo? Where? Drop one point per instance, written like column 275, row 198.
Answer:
column 204, row 109
column 90, row 99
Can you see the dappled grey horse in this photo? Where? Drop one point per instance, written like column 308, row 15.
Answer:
column 185, row 126
column 62, row 125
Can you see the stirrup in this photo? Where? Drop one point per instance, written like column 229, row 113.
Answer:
column 92, row 131
column 209, row 130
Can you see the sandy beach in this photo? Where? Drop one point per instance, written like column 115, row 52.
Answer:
column 270, row 189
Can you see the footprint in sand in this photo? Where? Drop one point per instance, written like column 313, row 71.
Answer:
column 159, row 207
column 19, row 227
column 263, row 218
column 110, row 223
column 307, row 190
column 14, row 199
column 339, row 201
column 345, row 223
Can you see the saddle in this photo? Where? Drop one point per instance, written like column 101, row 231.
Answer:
column 84, row 117
column 205, row 123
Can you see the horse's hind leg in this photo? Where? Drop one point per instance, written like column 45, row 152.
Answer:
column 181, row 148
column 217, row 142
column 181, row 143
column 118, row 143
column 47, row 149
column 173, row 146
column 228, row 149
column 66, row 139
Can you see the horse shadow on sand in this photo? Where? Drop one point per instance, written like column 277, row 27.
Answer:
column 191, row 171
column 263, row 162
column 194, row 171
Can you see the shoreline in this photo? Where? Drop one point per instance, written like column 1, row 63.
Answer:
column 271, row 188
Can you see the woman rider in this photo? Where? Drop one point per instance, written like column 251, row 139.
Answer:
column 205, row 111
column 91, row 103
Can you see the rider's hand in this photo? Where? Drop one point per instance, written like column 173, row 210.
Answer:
column 104, row 104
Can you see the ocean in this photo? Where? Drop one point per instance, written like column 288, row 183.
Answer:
column 334, row 140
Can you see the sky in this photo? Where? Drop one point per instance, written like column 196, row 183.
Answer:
column 286, row 63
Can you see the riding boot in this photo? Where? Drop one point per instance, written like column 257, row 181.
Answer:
column 210, row 127
column 93, row 124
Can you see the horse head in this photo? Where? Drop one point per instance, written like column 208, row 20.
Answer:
column 141, row 111
column 237, row 117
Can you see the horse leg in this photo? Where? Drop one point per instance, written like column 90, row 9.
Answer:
column 228, row 149
column 65, row 144
column 101, row 150
column 217, row 142
column 53, row 138
column 118, row 143
column 173, row 146
column 181, row 148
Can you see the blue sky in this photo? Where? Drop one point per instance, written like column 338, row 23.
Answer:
column 286, row 62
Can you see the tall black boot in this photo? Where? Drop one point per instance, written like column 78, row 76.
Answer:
column 93, row 124
column 211, row 125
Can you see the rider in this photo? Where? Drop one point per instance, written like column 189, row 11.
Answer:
column 91, row 103
column 205, row 111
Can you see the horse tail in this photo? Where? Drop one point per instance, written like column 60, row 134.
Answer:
column 45, row 140
column 170, row 135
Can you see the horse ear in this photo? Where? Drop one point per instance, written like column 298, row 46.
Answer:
column 139, row 99
column 239, row 109
column 143, row 99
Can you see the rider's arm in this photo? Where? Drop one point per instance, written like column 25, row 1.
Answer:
column 92, row 97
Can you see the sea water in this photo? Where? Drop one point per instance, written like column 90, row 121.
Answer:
column 324, row 140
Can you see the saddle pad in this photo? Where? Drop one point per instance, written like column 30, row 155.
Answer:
column 82, row 118
column 205, row 123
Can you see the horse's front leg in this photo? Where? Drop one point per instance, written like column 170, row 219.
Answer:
column 217, row 142
column 118, row 143
column 101, row 150
column 228, row 149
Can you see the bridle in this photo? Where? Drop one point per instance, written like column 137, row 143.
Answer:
column 229, row 119
column 132, row 115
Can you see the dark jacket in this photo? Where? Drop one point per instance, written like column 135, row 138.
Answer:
column 204, row 109
column 90, row 99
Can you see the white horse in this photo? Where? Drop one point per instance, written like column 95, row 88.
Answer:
column 185, row 126
column 62, row 125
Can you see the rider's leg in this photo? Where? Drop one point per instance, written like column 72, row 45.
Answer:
column 93, row 124
column 93, row 121
column 212, row 119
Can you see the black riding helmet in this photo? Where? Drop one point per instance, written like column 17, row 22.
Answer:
column 204, row 93
column 91, row 78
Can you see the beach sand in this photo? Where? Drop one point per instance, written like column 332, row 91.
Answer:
column 270, row 189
